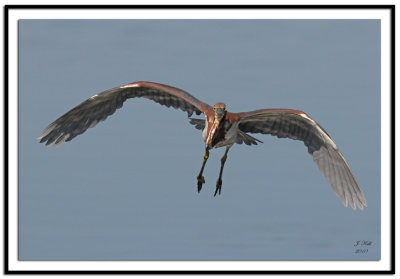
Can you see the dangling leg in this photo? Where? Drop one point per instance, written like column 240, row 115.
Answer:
column 200, row 177
column 219, row 181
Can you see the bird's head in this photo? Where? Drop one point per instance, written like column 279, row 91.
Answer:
column 219, row 110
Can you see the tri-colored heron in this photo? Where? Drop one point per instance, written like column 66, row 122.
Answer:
column 220, row 128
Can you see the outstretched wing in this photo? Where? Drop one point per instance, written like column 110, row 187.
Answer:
column 98, row 107
column 295, row 124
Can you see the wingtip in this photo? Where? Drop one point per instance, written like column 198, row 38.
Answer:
column 42, row 135
column 354, row 205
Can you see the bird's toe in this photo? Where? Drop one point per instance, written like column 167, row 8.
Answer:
column 218, row 187
column 200, row 182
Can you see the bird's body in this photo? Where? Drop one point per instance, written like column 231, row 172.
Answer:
column 220, row 132
column 220, row 128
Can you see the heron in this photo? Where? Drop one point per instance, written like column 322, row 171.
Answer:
column 221, row 128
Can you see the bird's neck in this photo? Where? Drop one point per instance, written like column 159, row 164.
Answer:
column 215, row 131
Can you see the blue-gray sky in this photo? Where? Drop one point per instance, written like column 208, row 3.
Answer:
column 126, row 190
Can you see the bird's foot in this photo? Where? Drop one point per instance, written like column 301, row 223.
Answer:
column 218, row 188
column 200, row 182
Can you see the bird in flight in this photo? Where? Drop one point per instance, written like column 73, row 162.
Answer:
column 220, row 128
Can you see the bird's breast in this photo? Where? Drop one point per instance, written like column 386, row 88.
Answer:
column 216, row 134
column 211, row 133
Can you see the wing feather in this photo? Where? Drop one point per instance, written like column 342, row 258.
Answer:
column 295, row 124
column 98, row 107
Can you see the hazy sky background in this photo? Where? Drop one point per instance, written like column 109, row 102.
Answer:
column 127, row 189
